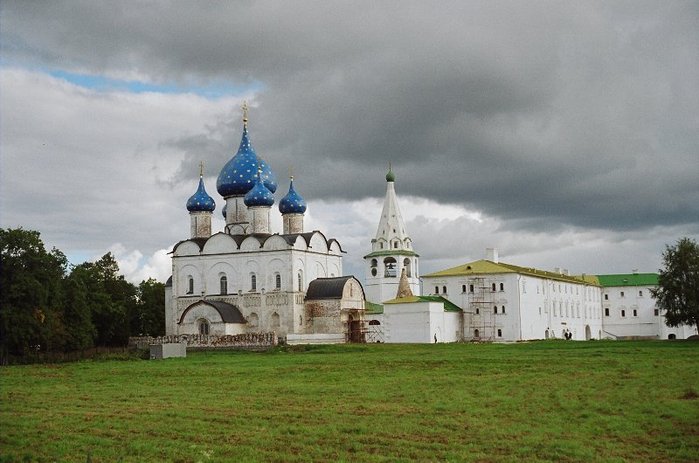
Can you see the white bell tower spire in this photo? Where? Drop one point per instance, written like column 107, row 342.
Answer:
column 391, row 252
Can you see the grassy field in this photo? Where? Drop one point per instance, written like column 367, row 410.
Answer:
column 543, row 401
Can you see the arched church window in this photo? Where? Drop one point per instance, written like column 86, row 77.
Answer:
column 374, row 322
column 395, row 245
column 406, row 265
column 495, row 309
column 476, row 334
column 277, row 281
column 204, row 327
column 223, row 281
column 253, row 282
column 389, row 267
column 436, row 289
column 190, row 285
column 275, row 320
column 300, row 281
column 493, row 286
column 374, row 263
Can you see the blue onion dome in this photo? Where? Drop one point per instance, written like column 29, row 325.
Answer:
column 238, row 175
column 259, row 195
column 268, row 177
column 292, row 203
column 223, row 212
column 201, row 201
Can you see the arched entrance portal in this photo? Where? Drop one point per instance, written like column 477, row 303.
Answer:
column 355, row 327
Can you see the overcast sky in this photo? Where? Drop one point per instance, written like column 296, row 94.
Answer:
column 565, row 134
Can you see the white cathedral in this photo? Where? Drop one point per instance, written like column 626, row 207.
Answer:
column 247, row 279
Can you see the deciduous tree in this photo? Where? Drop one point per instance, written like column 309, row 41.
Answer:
column 678, row 284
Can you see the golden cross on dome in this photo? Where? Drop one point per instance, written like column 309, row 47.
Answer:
column 201, row 168
column 245, row 108
column 291, row 172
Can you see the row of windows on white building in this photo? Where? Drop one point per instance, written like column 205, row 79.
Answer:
column 223, row 283
column 622, row 294
column 589, row 295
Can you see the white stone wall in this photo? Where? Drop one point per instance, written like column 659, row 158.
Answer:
column 527, row 307
column 630, row 311
column 259, row 219
column 292, row 223
column 420, row 322
column 200, row 224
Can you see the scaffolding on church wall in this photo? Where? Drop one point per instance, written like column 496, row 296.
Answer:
column 481, row 302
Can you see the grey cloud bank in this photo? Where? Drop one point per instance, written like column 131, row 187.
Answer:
column 574, row 121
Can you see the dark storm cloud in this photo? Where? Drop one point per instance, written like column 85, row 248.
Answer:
column 548, row 113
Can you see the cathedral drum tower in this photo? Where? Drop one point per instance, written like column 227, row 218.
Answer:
column 391, row 252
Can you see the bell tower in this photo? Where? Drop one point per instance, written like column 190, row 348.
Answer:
column 391, row 252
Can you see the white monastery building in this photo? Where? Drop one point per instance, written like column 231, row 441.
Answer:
column 246, row 279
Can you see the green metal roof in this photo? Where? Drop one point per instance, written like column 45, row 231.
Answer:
column 629, row 279
column 392, row 252
column 371, row 308
column 448, row 305
column 483, row 266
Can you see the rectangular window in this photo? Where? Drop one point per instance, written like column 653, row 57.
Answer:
column 463, row 288
column 606, row 297
column 499, row 333
column 470, row 288
column 655, row 312
column 622, row 294
column 640, row 294
column 623, row 313
column 606, row 312
column 635, row 313
column 436, row 289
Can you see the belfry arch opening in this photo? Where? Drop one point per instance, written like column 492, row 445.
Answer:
column 389, row 267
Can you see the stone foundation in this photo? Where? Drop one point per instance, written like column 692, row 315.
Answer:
column 247, row 340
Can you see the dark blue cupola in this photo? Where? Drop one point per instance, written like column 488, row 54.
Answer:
column 260, row 194
column 201, row 201
column 238, row 176
column 292, row 203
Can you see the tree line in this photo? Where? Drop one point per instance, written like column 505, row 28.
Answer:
column 48, row 305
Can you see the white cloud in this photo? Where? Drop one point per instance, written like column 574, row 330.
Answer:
column 136, row 268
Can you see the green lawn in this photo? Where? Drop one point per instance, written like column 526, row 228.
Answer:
column 543, row 401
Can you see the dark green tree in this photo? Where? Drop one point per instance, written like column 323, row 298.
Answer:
column 80, row 331
column 111, row 299
column 149, row 317
column 31, row 295
column 677, row 294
